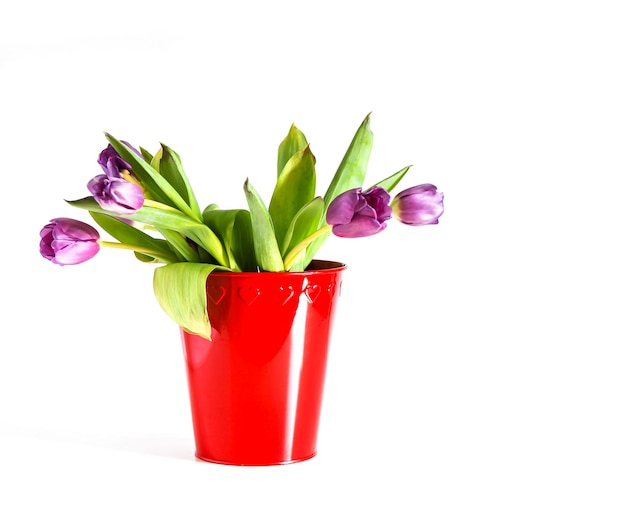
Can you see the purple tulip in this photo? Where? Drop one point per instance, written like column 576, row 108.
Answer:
column 68, row 241
column 419, row 205
column 115, row 190
column 109, row 153
column 355, row 213
column 116, row 194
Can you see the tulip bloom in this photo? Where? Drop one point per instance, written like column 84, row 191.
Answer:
column 116, row 190
column 355, row 213
column 116, row 194
column 419, row 205
column 110, row 154
column 68, row 241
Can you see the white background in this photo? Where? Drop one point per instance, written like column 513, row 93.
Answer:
column 477, row 370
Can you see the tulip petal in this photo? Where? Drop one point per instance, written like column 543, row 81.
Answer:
column 127, row 194
column 342, row 209
column 378, row 199
column 73, row 253
column 72, row 230
column 362, row 226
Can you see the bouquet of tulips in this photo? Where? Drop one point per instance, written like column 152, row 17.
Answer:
column 145, row 202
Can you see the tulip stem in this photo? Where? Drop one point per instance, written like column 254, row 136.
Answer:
column 300, row 247
column 142, row 250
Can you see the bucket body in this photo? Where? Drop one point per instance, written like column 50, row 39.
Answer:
column 256, row 387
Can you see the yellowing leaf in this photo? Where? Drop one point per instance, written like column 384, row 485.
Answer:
column 180, row 289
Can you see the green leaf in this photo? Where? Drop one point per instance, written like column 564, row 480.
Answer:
column 209, row 208
column 242, row 242
column 129, row 235
column 294, row 188
column 391, row 182
column 237, row 239
column 180, row 289
column 265, row 246
column 351, row 172
column 144, row 258
column 147, row 156
column 155, row 184
column 171, row 167
column 181, row 246
column 303, row 225
column 294, row 141
column 174, row 220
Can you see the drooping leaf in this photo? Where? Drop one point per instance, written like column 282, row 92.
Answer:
column 294, row 188
column 180, row 289
column 292, row 143
column 266, row 249
column 391, row 182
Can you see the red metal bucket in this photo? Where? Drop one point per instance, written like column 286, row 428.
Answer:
column 256, row 388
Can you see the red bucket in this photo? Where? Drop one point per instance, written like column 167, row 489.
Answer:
column 256, row 388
